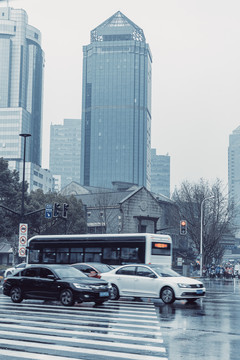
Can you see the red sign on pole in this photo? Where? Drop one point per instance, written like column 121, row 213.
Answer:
column 23, row 230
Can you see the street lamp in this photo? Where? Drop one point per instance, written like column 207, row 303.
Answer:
column 201, row 234
column 23, row 181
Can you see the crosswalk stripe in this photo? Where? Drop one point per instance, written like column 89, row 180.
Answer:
column 116, row 317
column 117, row 328
column 105, row 307
column 77, row 332
column 85, row 341
column 33, row 356
column 48, row 331
column 95, row 352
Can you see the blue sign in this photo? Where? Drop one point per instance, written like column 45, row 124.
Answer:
column 48, row 211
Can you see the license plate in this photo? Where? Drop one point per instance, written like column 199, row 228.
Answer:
column 199, row 291
column 102, row 294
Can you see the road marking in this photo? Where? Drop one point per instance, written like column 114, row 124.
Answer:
column 81, row 333
column 33, row 356
column 38, row 331
column 95, row 352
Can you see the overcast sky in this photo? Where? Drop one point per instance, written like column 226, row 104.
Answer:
column 196, row 72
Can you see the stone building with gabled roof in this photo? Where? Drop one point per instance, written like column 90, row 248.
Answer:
column 130, row 211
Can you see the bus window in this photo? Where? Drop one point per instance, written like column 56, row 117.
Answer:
column 93, row 254
column 49, row 256
column 76, row 255
column 129, row 254
column 62, row 256
column 111, row 255
column 34, row 256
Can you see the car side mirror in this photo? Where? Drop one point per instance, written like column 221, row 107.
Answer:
column 152, row 276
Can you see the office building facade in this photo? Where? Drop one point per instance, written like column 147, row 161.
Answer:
column 116, row 105
column 65, row 146
column 160, row 173
column 21, row 77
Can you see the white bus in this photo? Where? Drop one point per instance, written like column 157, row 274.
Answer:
column 113, row 249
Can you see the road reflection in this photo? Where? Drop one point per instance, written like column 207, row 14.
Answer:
column 207, row 329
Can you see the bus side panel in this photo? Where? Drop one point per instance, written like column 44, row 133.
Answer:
column 159, row 250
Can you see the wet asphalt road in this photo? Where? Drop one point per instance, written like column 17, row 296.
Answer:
column 208, row 329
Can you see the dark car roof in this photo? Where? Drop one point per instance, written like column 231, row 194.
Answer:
column 51, row 266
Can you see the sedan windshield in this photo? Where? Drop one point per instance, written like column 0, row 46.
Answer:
column 67, row 272
column 103, row 267
column 164, row 271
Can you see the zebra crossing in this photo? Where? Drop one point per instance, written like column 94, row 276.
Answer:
column 116, row 330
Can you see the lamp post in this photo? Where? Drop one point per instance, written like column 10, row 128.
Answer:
column 201, row 233
column 23, row 181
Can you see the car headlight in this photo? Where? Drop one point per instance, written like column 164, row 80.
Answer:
column 183, row 285
column 81, row 286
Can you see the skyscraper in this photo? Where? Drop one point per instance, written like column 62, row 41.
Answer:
column 21, row 74
column 65, row 143
column 234, row 172
column 116, row 105
column 160, row 173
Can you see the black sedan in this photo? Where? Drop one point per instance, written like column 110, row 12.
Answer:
column 55, row 282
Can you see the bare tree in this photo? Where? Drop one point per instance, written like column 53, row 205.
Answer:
column 106, row 211
column 217, row 216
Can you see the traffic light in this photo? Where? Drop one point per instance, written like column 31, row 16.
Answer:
column 56, row 209
column 65, row 209
column 183, row 227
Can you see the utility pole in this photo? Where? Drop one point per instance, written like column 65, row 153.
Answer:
column 23, row 181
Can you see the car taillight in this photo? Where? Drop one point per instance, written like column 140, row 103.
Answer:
column 98, row 276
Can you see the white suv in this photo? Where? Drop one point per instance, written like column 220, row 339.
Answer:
column 10, row 271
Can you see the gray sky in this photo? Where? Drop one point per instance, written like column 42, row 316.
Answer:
column 196, row 72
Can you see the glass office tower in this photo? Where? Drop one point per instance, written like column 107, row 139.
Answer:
column 234, row 174
column 65, row 142
column 116, row 106
column 160, row 173
column 21, row 73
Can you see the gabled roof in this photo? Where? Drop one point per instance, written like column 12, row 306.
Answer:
column 5, row 248
column 117, row 24
column 115, row 197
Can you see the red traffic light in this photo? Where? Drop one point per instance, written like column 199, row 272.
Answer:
column 183, row 227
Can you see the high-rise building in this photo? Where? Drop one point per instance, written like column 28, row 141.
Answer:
column 116, row 105
column 234, row 172
column 65, row 144
column 21, row 77
column 160, row 173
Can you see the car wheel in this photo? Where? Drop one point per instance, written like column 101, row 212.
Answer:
column 16, row 295
column 66, row 297
column 115, row 292
column 167, row 295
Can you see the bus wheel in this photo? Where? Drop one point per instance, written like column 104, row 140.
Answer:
column 66, row 297
column 115, row 292
column 167, row 295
